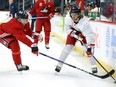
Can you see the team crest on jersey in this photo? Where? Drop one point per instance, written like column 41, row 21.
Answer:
column 40, row 4
column 44, row 10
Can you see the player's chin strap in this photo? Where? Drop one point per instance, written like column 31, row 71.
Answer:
column 102, row 77
column 100, row 64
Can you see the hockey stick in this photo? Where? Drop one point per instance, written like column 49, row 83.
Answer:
column 104, row 68
column 5, row 19
column 101, row 65
column 37, row 17
column 102, row 77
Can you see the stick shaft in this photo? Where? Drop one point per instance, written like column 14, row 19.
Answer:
column 102, row 77
column 38, row 17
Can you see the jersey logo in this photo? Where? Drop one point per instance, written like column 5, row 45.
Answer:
column 44, row 10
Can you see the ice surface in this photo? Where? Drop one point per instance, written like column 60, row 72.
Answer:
column 42, row 74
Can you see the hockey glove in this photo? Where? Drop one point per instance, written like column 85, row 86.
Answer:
column 37, row 37
column 34, row 49
column 50, row 16
column 40, row 38
column 34, row 35
column 75, row 34
column 90, row 50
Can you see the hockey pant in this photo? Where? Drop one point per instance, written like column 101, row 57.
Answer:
column 64, row 54
column 12, row 43
column 47, row 28
column 66, row 51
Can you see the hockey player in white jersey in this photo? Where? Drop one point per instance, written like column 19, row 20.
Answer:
column 78, row 28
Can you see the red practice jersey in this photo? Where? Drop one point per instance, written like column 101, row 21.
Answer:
column 18, row 30
column 80, row 3
column 43, row 9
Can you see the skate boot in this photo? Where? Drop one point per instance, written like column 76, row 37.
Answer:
column 47, row 46
column 57, row 69
column 25, row 67
column 94, row 70
column 21, row 67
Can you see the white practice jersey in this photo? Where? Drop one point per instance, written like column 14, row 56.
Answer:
column 83, row 25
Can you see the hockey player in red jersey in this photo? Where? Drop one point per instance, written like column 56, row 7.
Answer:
column 78, row 28
column 44, row 10
column 80, row 3
column 17, row 29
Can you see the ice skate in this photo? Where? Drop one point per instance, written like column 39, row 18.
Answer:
column 21, row 67
column 47, row 46
column 94, row 70
column 57, row 69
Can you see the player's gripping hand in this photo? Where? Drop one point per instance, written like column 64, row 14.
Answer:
column 37, row 37
column 90, row 50
column 40, row 37
column 50, row 16
column 75, row 34
column 34, row 49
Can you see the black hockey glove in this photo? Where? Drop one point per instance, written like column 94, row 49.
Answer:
column 34, row 49
column 34, row 35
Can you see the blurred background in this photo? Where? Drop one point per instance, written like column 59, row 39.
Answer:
column 104, row 10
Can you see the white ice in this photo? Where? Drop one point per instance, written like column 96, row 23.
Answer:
column 42, row 74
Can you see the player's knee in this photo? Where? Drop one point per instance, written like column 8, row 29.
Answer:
column 14, row 46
